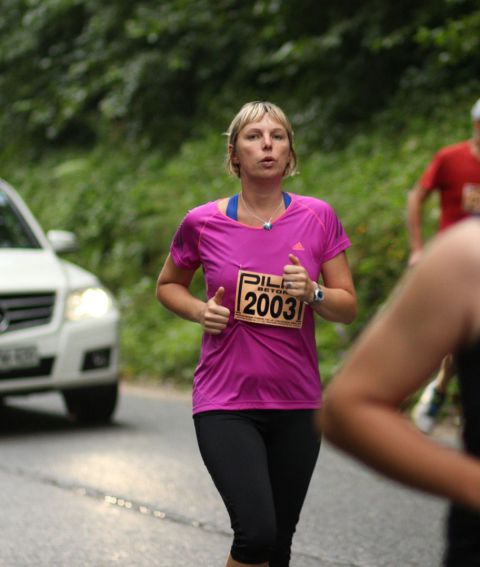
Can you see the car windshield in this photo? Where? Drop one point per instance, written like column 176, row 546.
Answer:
column 14, row 231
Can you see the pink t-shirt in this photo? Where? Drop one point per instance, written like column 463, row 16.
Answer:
column 251, row 365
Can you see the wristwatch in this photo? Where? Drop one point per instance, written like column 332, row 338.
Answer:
column 318, row 295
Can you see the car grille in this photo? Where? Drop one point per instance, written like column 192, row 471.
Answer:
column 22, row 311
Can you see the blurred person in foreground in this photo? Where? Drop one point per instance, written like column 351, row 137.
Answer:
column 454, row 173
column 257, row 384
column 436, row 311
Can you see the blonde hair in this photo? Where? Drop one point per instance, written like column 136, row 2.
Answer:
column 253, row 112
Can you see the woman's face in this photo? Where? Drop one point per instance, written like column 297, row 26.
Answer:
column 262, row 149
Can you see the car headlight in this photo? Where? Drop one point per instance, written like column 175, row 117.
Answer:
column 88, row 303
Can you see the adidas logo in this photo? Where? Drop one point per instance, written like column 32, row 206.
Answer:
column 298, row 246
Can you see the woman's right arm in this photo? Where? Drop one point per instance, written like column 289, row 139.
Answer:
column 173, row 293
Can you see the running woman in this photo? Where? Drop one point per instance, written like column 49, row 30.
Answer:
column 257, row 383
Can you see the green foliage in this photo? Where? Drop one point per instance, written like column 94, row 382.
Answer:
column 154, row 343
column 111, row 114
column 154, row 72
column 125, row 208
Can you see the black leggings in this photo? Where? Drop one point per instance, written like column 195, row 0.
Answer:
column 261, row 462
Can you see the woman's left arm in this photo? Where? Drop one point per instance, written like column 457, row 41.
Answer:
column 340, row 301
column 339, row 304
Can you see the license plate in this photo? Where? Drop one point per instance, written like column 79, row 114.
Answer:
column 23, row 357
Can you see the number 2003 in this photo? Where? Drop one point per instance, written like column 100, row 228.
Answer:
column 275, row 306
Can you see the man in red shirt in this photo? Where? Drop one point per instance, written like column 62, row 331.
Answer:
column 455, row 173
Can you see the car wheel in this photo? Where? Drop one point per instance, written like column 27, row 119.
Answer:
column 91, row 405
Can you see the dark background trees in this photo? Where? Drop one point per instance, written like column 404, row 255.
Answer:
column 156, row 71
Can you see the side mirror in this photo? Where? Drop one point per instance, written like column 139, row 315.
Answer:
column 63, row 241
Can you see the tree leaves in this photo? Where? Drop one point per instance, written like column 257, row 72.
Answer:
column 75, row 71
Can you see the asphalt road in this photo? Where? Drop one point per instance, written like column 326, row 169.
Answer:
column 135, row 493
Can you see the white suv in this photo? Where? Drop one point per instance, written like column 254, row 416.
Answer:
column 58, row 324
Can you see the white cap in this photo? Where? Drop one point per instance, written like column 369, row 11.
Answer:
column 476, row 110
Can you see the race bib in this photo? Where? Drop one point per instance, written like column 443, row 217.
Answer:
column 261, row 298
column 471, row 198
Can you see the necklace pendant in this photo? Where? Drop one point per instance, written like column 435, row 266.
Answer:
column 267, row 226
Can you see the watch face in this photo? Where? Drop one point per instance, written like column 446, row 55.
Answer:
column 318, row 295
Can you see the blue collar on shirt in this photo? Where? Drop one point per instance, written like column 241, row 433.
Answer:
column 232, row 206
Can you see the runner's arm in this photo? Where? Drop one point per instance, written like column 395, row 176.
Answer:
column 394, row 356
column 173, row 293
column 340, row 303
column 415, row 200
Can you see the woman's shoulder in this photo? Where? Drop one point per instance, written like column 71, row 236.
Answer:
column 314, row 204
column 462, row 239
column 204, row 208
column 202, row 212
column 455, row 251
column 453, row 262
column 195, row 218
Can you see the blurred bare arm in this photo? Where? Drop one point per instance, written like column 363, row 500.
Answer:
column 392, row 359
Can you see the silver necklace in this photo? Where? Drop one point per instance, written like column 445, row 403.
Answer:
column 266, row 225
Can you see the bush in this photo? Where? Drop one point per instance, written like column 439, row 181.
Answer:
column 125, row 206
